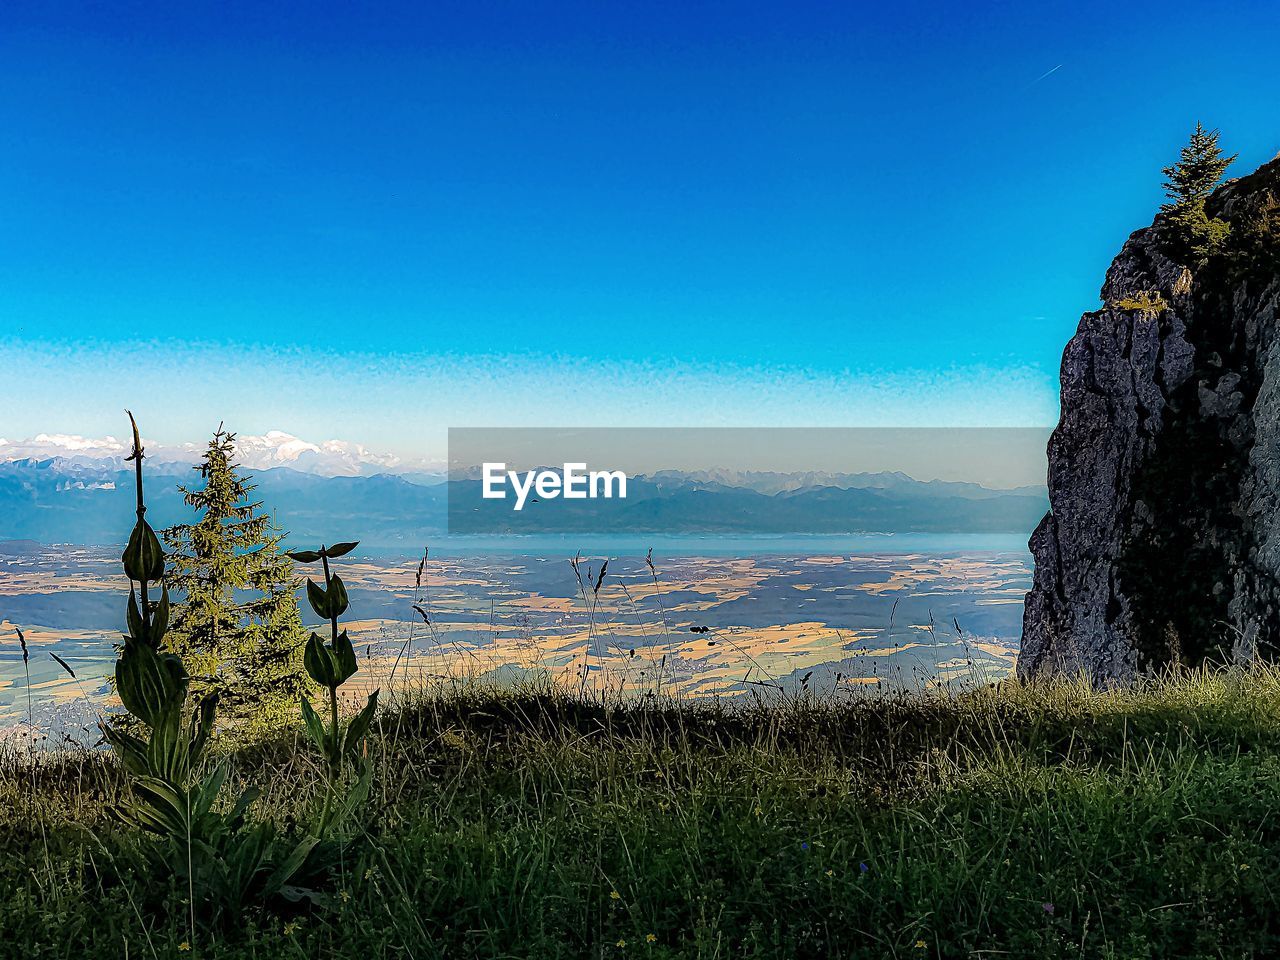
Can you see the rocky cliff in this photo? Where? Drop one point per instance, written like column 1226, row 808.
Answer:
column 1162, row 543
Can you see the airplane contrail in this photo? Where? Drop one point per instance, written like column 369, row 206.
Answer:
column 1047, row 73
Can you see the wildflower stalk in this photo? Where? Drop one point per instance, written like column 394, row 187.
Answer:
column 331, row 665
column 136, row 456
column 335, row 747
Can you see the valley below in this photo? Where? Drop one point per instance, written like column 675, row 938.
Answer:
column 821, row 617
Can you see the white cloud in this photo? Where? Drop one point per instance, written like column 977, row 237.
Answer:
column 275, row 448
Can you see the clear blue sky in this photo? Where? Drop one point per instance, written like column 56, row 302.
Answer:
column 603, row 212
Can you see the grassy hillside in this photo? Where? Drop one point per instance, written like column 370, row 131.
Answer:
column 1053, row 822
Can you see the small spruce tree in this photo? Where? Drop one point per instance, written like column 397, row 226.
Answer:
column 237, row 626
column 1190, row 234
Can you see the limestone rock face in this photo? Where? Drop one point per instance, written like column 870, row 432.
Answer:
column 1162, row 543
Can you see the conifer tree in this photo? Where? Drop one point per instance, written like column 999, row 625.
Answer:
column 237, row 626
column 1191, row 234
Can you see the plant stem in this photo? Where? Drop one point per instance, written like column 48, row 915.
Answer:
column 328, row 583
column 142, row 511
column 334, row 746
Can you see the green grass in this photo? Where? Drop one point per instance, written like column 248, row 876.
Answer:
column 532, row 825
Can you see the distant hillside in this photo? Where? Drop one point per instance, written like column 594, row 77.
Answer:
column 672, row 503
column 91, row 502
column 65, row 501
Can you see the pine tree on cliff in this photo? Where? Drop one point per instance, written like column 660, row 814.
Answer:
column 1192, row 236
column 237, row 625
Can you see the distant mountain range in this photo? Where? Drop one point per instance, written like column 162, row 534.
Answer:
column 91, row 501
column 275, row 448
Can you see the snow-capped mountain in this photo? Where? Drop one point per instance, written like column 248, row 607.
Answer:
column 275, row 448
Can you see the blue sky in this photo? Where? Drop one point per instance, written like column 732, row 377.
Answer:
column 374, row 224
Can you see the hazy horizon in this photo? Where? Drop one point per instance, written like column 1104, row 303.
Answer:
column 1001, row 458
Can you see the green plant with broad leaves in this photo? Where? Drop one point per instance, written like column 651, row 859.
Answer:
column 331, row 665
column 207, row 846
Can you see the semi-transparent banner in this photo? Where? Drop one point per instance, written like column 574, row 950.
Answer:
column 745, row 480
